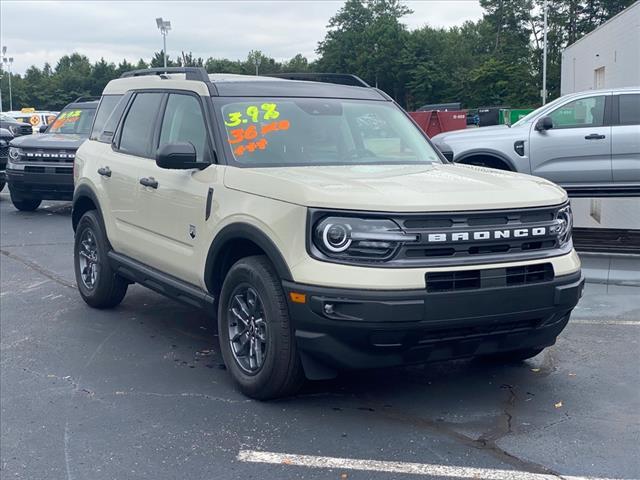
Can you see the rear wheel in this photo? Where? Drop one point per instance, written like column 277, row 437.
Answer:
column 98, row 284
column 513, row 356
column 256, row 336
column 25, row 204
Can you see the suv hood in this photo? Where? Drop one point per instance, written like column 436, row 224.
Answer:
column 484, row 133
column 49, row 140
column 397, row 188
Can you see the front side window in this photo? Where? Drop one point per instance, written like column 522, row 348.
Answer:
column 105, row 109
column 138, row 125
column 73, row 121
column 308, row 131
column 183, row 122
column 630, row 109
column 585, row 112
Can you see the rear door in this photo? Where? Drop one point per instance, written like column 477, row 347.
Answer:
column 625, row 141
column 173, row 211
column 577, row 149
column 131, row 148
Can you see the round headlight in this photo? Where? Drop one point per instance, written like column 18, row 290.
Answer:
column 565, row 224
column 14, row 153
column 336, row 237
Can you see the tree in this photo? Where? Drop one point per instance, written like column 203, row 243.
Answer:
column 365, row 38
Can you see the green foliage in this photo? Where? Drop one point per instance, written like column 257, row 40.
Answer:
column 494, row 61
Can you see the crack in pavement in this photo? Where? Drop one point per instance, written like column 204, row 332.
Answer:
column 39, row 268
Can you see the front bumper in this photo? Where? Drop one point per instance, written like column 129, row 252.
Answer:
column 338, row 329
column 55, row 183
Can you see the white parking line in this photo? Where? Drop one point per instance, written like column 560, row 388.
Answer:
column 605, row 322
column 313, row 461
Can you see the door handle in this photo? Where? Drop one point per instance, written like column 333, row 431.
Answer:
column 104, row 171
column 594, row 136
column 149, row 182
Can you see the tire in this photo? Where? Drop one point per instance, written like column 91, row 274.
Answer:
column 2, row 184
column 26, row 204
column 280, row 372
column 105, row 288
column 514, row 356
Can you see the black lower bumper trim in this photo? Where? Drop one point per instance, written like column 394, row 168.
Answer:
column 339, row 329
column 45, row 186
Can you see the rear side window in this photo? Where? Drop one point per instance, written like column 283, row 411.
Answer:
column 630, row 109
column 138, row 125
column 105, row 109
column 183, row 122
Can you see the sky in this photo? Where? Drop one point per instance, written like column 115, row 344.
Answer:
column 41, row 31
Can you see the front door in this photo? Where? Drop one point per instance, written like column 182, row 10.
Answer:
column 173, row 209
column 577, row 150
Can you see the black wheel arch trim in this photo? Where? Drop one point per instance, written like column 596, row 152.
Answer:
column 80, row 192
column 244, row 231
column 487, row 153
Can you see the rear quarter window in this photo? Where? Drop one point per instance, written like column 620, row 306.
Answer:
column 109, row 105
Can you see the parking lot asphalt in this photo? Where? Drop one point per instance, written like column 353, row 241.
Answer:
column 141, row 392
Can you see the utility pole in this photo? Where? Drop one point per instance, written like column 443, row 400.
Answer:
column 544, row 58
column 8, row 62
column 164, row 26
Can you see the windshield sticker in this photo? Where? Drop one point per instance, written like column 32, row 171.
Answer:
column 269, row 111
column 67, row 117
column 262, row 120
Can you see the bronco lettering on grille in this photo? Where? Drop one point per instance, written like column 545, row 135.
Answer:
column 486, row 235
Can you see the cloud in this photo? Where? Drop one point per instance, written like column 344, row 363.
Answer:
column 39, row 32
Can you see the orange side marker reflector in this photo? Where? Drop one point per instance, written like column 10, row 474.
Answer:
column 298, row 297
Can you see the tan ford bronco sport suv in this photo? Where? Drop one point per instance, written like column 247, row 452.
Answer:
column 321, row 225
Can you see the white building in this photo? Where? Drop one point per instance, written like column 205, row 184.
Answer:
column 607, row 57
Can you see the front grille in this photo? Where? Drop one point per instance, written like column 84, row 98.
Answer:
column 448, row 238
column 4, row 151
column 48, row 155
column 488, row 278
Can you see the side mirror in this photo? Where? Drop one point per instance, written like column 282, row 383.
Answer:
column 544, row 123
column 178, row 156
column 43, row 128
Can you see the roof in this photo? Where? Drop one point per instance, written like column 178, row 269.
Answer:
column 89, row 105
column 232, row 85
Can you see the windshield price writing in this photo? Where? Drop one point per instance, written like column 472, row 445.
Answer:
column 267, row 111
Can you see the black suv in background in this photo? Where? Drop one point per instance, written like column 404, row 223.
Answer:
column 15, row 127
column 5, row 138
column 40, row 166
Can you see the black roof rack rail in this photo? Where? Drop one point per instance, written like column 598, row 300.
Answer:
column 86, row 99
column 191, row 73
column 338, row 78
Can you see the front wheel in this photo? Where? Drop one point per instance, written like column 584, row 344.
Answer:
column 98, row 284
column 25, row 204
column 256, row 336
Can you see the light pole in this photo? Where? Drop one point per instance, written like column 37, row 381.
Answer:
column 8, row 62
column 164, row 26
column 544, row 58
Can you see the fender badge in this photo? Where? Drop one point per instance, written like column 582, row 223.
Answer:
column 192, row 231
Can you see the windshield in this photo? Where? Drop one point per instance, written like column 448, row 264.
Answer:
column 301, row 132
column 536, row 112
column 73, row 120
